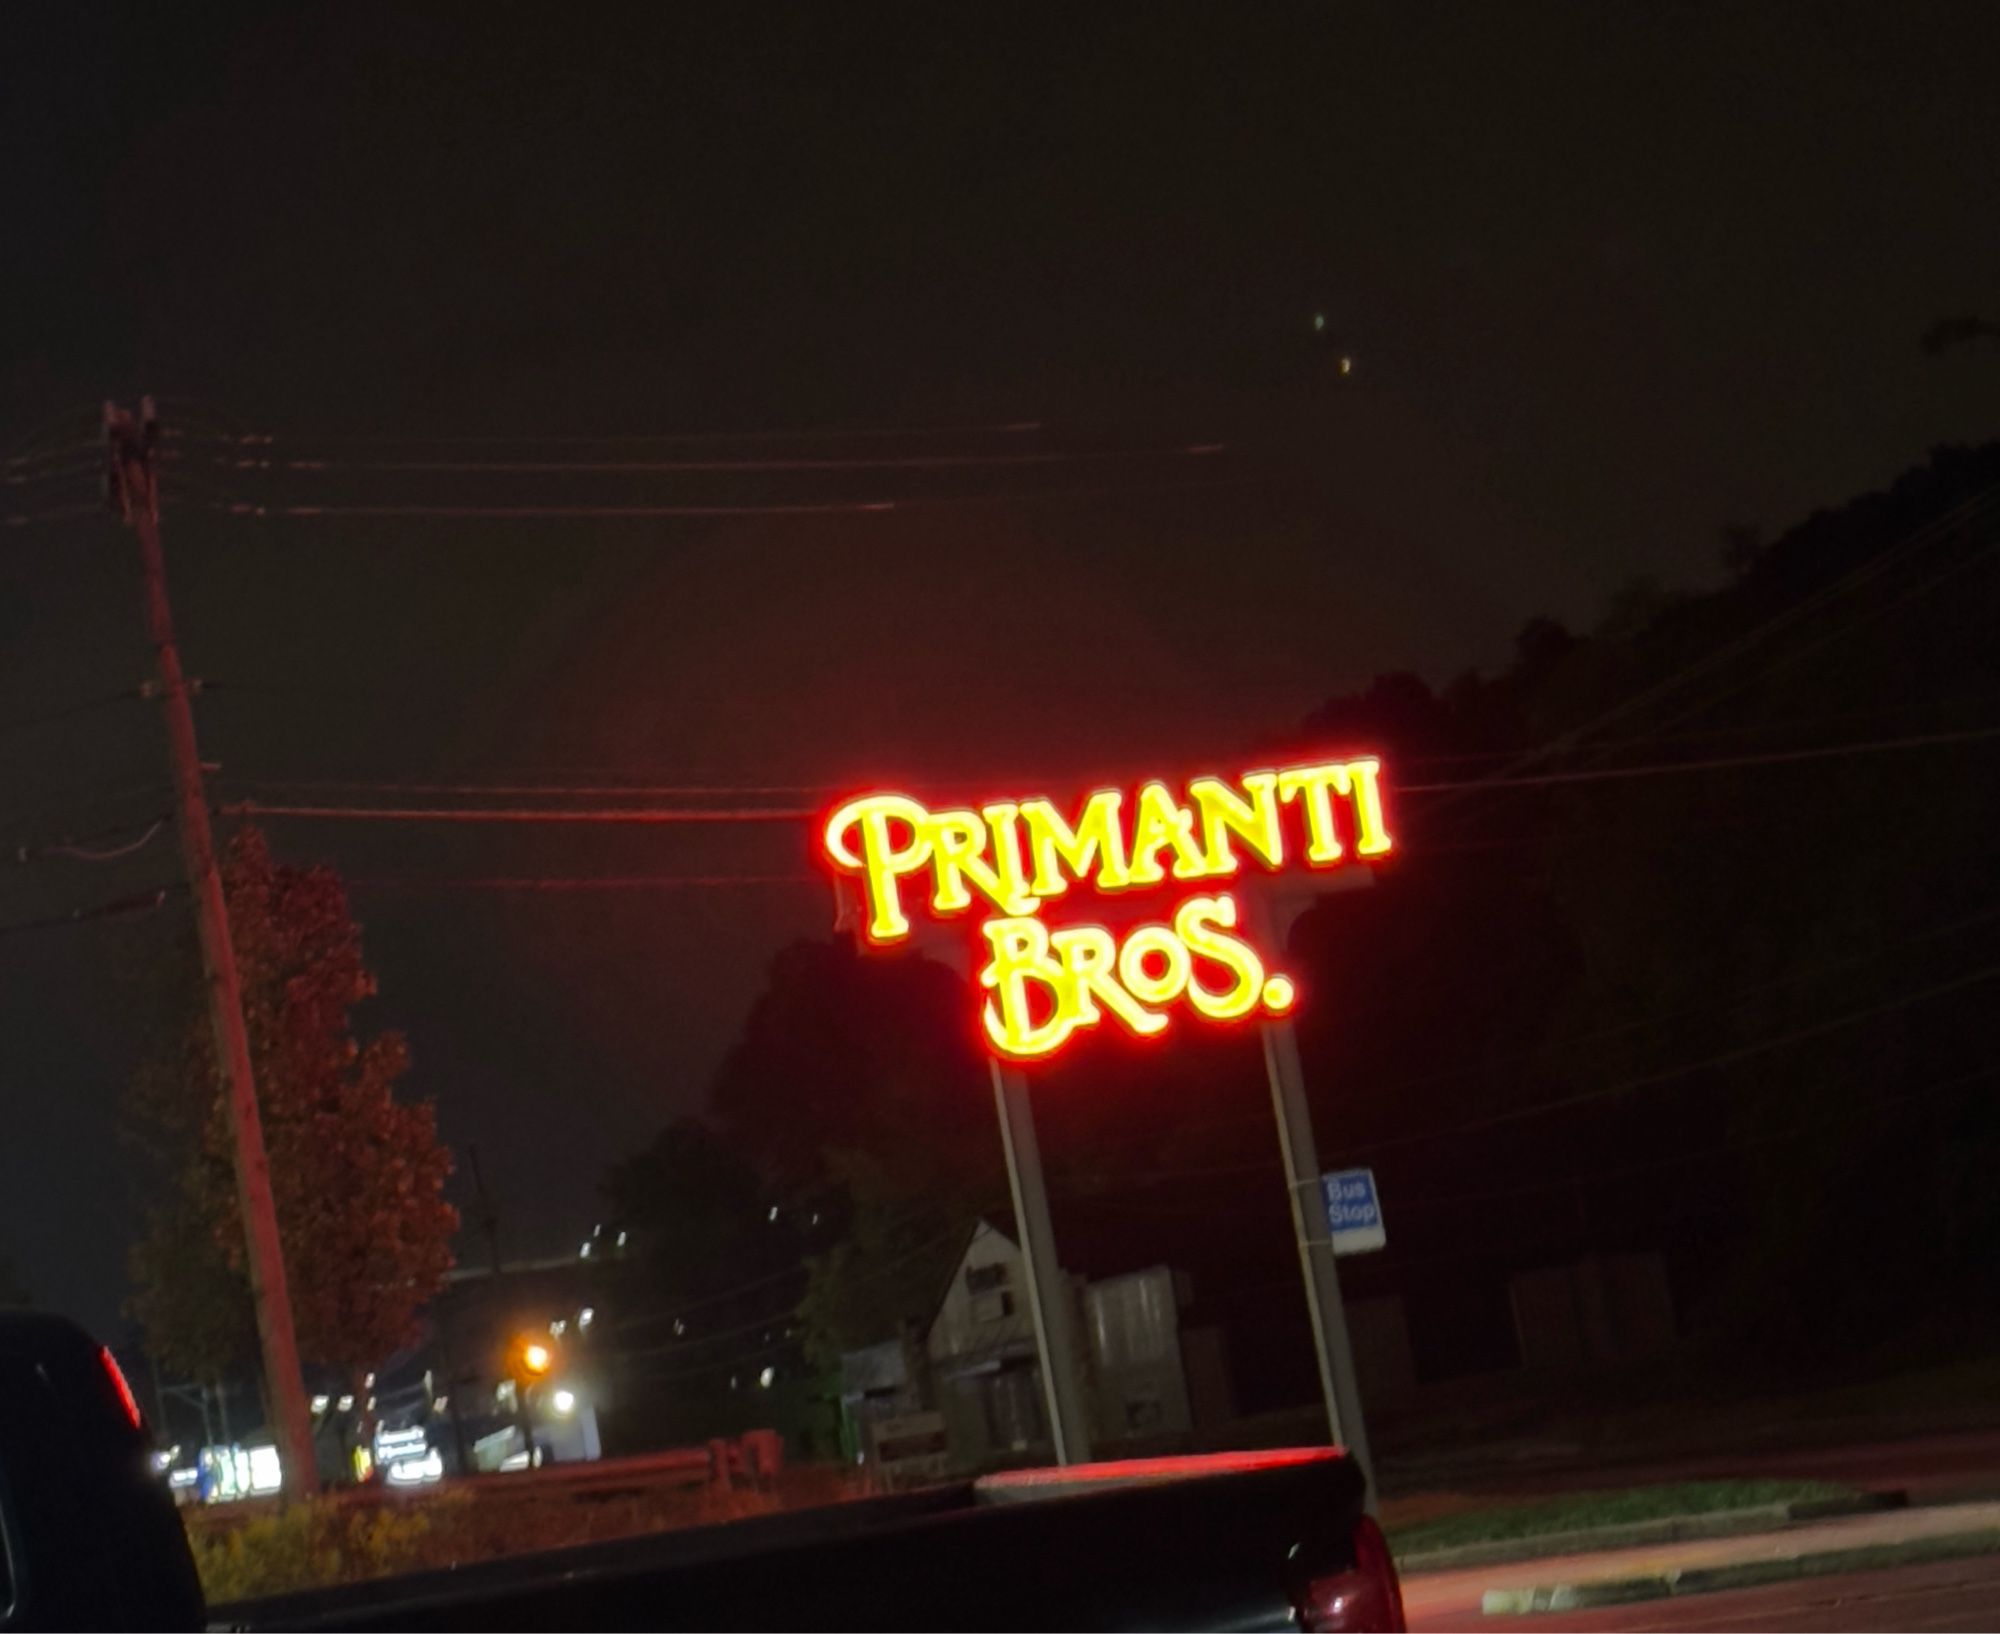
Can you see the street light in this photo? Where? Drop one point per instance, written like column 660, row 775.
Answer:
column 529, row 1361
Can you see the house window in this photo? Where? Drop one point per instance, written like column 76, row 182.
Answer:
column 983, row 1279
column 993, row 1307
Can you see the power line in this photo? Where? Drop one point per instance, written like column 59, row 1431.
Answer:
column 85, row 419
column 698, row 814
column 1870, row 568
column 1870, row 615
column 118, row 907
column 81, row 852
column 579, row 882
column 1596, row 1176
column 70, row 711
column 1949, row 1086
column 1722, row 763
column 60, row 513
column 1743, row 996
column 902, row 1220
column 642, row 815
column 522, row 513
column 51, row 470
column 637, row 784
column 1725, row 1058
column 928, row 1248
column 267, row 439
column 660, row 791
column 632, row 513
column 47, row 456
column 882, row 462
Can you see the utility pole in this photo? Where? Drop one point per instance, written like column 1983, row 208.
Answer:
column 129, row 446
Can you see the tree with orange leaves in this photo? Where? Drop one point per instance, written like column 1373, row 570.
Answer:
column 358, row 1174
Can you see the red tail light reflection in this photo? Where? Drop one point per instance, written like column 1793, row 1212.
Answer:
column 1368, row 1596
column 125, row 1396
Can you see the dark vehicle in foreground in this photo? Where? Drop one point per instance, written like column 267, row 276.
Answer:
column 1237, row 1541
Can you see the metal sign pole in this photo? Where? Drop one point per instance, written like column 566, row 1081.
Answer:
column 1309, row 1223
column 1048, row 1288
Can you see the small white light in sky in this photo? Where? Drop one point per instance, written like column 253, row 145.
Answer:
column 774, row 1214
column 764, row 1378
column 1319, row 323
column 1347, row 365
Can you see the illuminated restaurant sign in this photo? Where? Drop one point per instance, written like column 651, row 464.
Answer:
column 1044, row 982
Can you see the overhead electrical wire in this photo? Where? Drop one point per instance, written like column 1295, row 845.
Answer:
column 267, row 439
column 645, row 513
column 643, row 815
column 1576, row 1177
column 1871, row 614
column 88, row 464
column 78, row 845
column 83, row 853
column 46, row 456
column 576, row 882
column 1730, row 1057
column 15, row 723
column 885, row 462
column 923, row 1250
column 552, row 790
column 1626, row 1086
column 766, row 814
column 59, row 513
column 1488, row 1068
column 692, row 1344
column 1576, row 1181
column 897, row 1220
column 1977, row 505
column 1716, row 763
column 141, row 902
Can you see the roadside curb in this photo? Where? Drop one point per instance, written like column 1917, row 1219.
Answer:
column 1744, row 1574
column 1720, row 1523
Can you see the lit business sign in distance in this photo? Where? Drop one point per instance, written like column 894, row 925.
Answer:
column 1043, row 983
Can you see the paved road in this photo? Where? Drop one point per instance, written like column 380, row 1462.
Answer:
column 1953, row 1594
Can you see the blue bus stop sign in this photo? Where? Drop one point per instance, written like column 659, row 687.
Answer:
column 1353, row 1211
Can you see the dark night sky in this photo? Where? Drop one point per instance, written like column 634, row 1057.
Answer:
column 1613, row 276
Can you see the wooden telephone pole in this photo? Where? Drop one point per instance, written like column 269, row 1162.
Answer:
column 129, row 446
